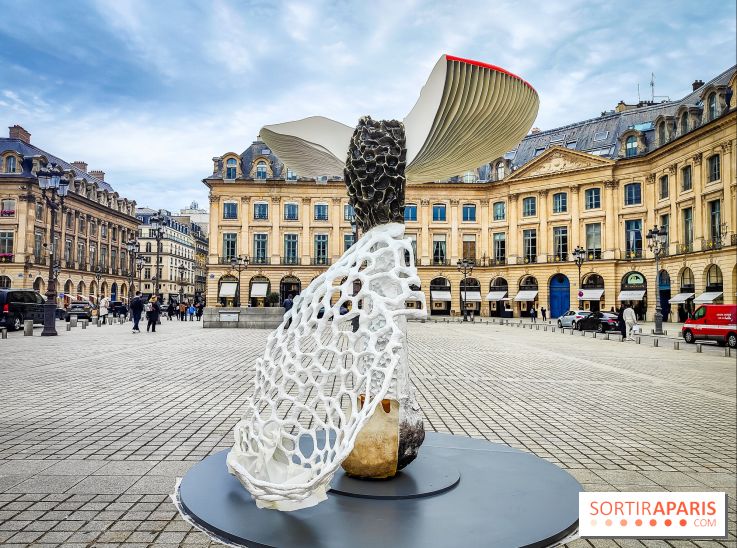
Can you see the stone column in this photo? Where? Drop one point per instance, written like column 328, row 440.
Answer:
column 544, row 234
column 576, row 238
column 485, row 248
column 698, row 185
column 610, row 230
column 728, row 201
column 215, row 247
column 425, row 246
column 276, row 236
column 244, row 245
column 26, row 214
column 512, row 215
column 336, row 245
column 306, row 202
column 649, row 197
column 454, row 250
column 673, row 221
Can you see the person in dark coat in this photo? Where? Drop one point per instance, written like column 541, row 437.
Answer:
column 199, row 311
column 152, row 314
column 170, row 310
column 288, row 303
column 621, row 325
column 544, row 313
column 136, row 311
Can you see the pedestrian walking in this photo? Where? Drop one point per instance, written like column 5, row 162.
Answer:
column 544, row 314
column 103, row 309
column 152, row 314
column 620, row 322
column 136, row 311
column 199, row 311
column 630, row 319
column 170, row 310
column 533, row 314
column 182, row 311
column 190, row 312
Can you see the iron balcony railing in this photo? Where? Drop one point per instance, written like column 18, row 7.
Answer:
column 530, row 259
column 260, row 260
column 440, row 262
column 320, row 261
column 593, row 254
column 557, row 258
column 290, row 260
column 6, row 257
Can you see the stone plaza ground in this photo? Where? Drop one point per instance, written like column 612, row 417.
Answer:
column 96, row 424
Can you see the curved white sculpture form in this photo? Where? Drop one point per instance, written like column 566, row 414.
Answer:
column 468, row 113
column 319, row 362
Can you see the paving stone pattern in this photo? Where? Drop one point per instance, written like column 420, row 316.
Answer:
column 96, row 424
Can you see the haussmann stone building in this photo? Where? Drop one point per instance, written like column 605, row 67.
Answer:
column 600, row 184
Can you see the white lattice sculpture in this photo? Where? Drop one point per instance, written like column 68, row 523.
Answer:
column 344, row 337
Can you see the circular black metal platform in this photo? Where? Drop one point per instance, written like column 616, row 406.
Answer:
column 505, row 497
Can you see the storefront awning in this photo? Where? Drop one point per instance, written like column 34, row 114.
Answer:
column 471, row 296
column 496, row 295
column 525, row 296
column 708, row 297
column 681, row 298
column 258, row 289
column 590, row 294
column 227, row 289
column 632, row 295
column 440, row 296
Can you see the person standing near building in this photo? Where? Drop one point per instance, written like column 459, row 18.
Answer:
column 630, row 320
column 533, row 314
column 544, row 314
column 199, row 311
column 152, row 314
column 182, row 311
column 190, row 312
column 287, row 304
column 136, row 311
column 104, row 309
column 170, row 310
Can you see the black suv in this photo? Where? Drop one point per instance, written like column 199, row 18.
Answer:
column 18, row 305
column 81, row 309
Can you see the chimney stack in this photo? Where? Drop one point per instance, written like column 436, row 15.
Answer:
column 17, row 132
column 97, row 174
column 535, row 130
column 697, row 84
column 80, row 165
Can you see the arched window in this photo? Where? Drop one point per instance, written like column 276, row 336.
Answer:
column 714, row 281
column 661, row 133
column 712, row 106
column 684, row 123
column 261, row 170
column 664, row 279
column 500, row 171
column 4, row 282
column 230, row 170
column 631, row 146
column 10, row 164
column 529, row 283
column 687, row 280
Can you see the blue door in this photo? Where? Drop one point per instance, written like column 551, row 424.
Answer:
column 114, row 292
column 560, row 295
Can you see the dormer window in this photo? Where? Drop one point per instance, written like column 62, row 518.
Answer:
column 261, row 170
column 10, row 164
column 500, row 171
column 684, row 123
column 630, row 146
column 291, row 175
column 661, row 133
column 230, row 169
column 712, row 106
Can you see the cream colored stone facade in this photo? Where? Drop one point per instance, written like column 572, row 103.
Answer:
column 90, row 234
column 597, row 191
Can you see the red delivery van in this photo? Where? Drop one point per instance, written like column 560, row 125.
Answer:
column 715, row 322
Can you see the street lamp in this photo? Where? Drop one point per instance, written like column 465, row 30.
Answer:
column 98, row 277
column 156, row 224
column 133, row 248
column 240, row 263
column 181, row 283
column 579, row 255
column 52, row 179
column 656, row 241
column 465, row 267
column 139, row 267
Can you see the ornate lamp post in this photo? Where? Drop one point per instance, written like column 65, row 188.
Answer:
column 465, row 267
column 133, row 248
column 53, row 181
column 579, row 255
column 156, row 225
column 98, row 277
column 139, row 267
column 656, row 239
column 181, row 283
column 239, row 263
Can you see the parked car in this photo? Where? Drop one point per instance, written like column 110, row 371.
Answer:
column 571, row 318
column 18, row 305
column 716, row 322
column 598, row 321
column 117, row 307
column 81, row 309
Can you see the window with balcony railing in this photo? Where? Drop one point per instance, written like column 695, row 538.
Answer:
column 7, row 208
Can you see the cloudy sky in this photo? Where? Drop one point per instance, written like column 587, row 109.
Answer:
column 150, row 91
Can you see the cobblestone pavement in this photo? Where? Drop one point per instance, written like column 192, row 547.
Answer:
column 96, row 424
